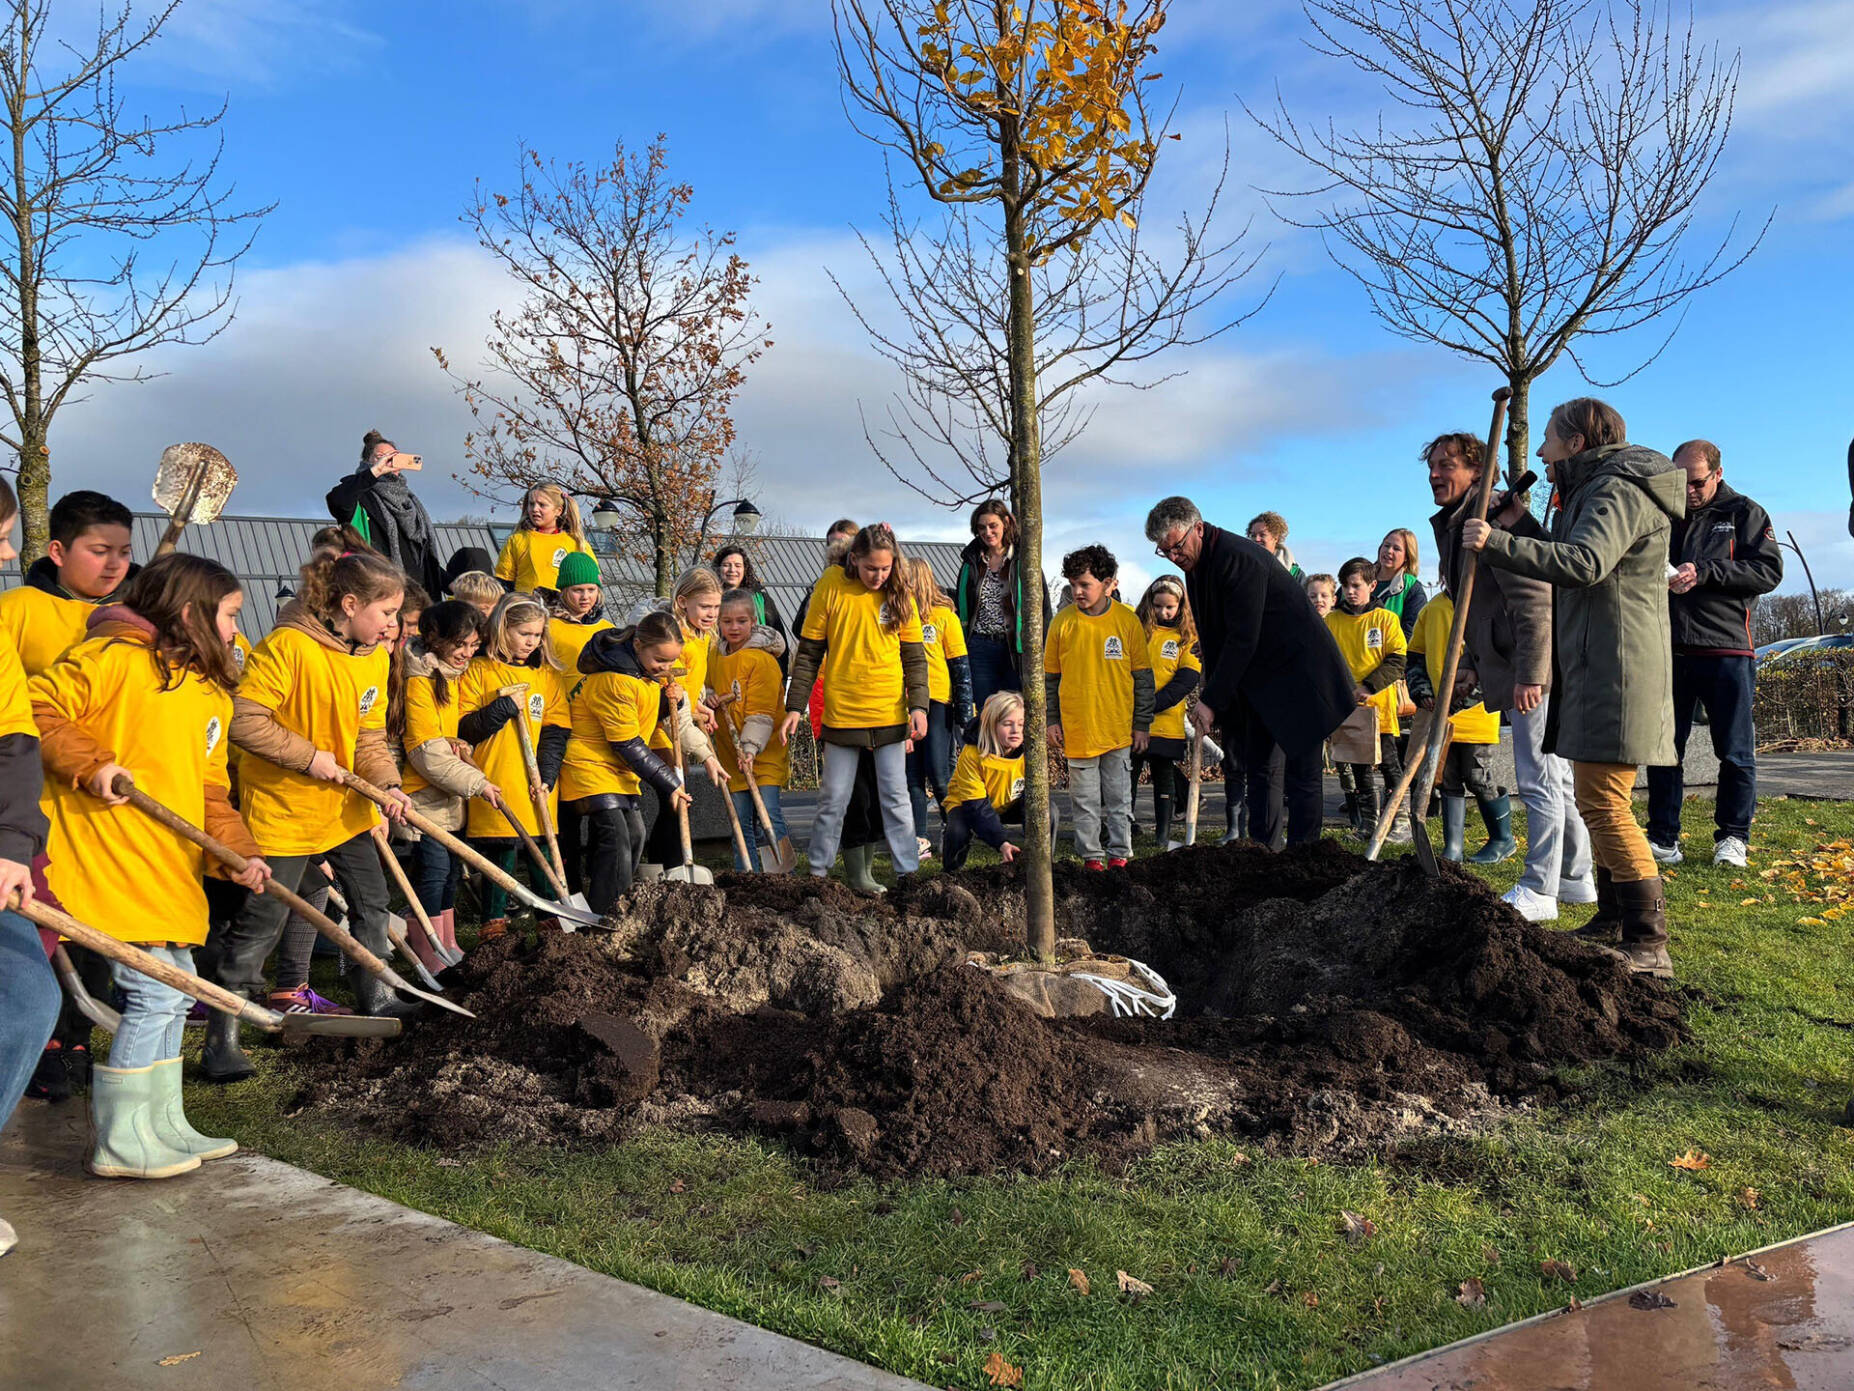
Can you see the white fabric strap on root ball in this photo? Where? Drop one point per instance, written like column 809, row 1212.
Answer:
column 1083, row 985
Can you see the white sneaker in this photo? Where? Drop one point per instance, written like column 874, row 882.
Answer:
column 1666, row 854
column 1577, row 891
column 1534, row 908
column 1730, row 851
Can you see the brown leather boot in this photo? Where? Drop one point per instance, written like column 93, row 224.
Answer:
column 1643, row 906
column 1605, row 925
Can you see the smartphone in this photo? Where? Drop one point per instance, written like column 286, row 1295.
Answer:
column 408, row 463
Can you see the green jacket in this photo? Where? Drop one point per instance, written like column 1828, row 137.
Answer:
column 1613, row 685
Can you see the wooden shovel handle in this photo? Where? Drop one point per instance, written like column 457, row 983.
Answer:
column 463, row 851
column 1194, row 769
column 177, row 519
column 532, row 762
column 398, row 871
column 682, row 782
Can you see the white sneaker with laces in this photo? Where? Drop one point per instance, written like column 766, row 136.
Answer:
column 1534, row 908
column 1577, row 890
column 1665, row 854
column 1730, row 851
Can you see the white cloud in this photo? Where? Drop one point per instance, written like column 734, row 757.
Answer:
column 247, row 42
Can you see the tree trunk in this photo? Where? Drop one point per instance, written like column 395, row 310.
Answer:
column 34, row 488
column 1518, row 428
column 660, row 534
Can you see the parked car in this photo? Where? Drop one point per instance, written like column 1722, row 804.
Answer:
column 1791, row 648
column 1776, row 649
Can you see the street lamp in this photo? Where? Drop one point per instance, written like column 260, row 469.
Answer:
column 1790, row 544
column 605, row 516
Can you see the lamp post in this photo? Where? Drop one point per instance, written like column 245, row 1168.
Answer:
column 1820, row 625
column 746, row 521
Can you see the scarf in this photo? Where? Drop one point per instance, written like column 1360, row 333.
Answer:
column 408, row 525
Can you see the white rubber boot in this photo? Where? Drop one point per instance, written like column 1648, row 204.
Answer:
column 170, row 1118
column 128, row 1144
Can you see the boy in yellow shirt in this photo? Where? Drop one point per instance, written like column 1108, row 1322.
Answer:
column 1099, row 644
column 1371, row 640
column 1474, row 734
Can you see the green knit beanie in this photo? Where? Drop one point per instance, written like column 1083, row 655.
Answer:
column 577, row 568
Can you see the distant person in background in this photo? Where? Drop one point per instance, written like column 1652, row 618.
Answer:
column 1269, row 530
column 990, row 599
column 1724, row 553
column 377, row 502
column 1396, row 587
column 736, row 569
column 548, row 532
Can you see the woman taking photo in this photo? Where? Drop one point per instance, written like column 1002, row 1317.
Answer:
column 1396, row 587
column 1612, row 655
column 990, row 598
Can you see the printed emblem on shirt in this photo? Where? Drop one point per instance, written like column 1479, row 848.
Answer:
column 735, row 689
column 537, row 705
column 560, row 554
column 1168, row 650
column 1017, row 789
column 1113, row 650
column 1374, row 637
column 238, row 656
column 213, row 730
column 930, row 634
column 368, row 699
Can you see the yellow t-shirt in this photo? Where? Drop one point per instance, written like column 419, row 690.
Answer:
column 499, row 756
column 426, row 720
column 982, row 778
column 15, row 708
column 943, row 636
column 753, row 677
column 1365, row 640
column 569, row 641
column 607, row 708
column 328, row 697
column 1168, row 652
column 530, row 560
column 117, row 868
column 1096, row 657
column 41, row 626
column 1429, row 641
column 864, row 685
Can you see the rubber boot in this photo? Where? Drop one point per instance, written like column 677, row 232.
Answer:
column 422, row 948
column 1351, row 811
column 1367, row 811
column 50, row 1081
column 223, row 1060
column 1497, row 812
column 1162, row 820
column 376, row 997
column 856, row 870
column 170, row 1118
column 446, row 923
column 127, row 1141
column 1605, row 924
column 1643, row 906
column 1454, row 825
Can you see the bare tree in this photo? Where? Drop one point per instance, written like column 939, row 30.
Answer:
column 1537, row 181
column 116, row 246
column 1104, row 310
column 616, row 375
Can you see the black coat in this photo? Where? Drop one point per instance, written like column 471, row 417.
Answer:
column 1264, row 647
column 420, row 562
column 1732, row 547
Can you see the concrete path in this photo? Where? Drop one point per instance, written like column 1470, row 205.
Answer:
column 256, row 1276
column 1782, row 1317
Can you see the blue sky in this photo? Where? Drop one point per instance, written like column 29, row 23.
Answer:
column 369, row 125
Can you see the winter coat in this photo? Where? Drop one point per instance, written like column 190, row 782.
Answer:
column 1507, row 640
column 449, row 779
column 1403, row 596
column 966, row 595
column 1733, row 548
column 1613, row 667
column 1265, row 650
column 388, row 513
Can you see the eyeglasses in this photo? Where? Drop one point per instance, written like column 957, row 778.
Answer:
column 1694, row 484
column 1169, row 550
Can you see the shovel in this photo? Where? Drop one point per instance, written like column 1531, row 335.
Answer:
column 1194, row 770
column 335, row 933
column 396, row 925
column 192, row 483
column 778, row 848
column 291, row 1026
column 532, row 763
column 468, row 854
column 688, row 872
column 1423, row 779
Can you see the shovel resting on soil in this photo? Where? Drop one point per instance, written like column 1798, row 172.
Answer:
column 192, row 484
column 688, row 872
column 779, row 848
column 532, row 763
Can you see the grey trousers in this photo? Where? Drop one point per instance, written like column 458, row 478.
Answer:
column 1101, row 795
column 837, row 779
column 1557, row 845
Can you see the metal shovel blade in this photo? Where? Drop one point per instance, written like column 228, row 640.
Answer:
column 174, row 479
column 566, row 912
column 689, row 874
column 299, row 1026
column 396, row 930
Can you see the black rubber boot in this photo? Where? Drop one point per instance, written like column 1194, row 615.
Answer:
column 1454, row 825
column 1162, row 819
column 223, row 1060
column 1367, row 820
column 50, row 1082
column 1351, row 812
column 1497, row 812
column 374, row 996
column 1605, row 924
column 1643, row 906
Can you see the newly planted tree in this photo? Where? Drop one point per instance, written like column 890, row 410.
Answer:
column 616, row 375
column 1032, row 113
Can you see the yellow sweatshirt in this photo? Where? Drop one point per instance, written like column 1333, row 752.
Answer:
column 1429, row 643
column 530, row 559
column 1365, row 640
column 500, row 756
column 984, row 778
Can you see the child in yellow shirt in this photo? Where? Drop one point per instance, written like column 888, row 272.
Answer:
column 549, row 531
column 1171, row 647
column 1371, row 640
column 987, row 787
column 1099, row 645
column 1474, row 735
column 747, row 695
column 949, row 696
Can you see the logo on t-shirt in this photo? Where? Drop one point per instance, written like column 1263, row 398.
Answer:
column 1374, row 637
column 238, row 656
column 1113, row 650
column 735, row 689
column 213, row 730
column 368, row 698
column 537, row 705
column 1017, row 789
column 560, row 554
column 1168, row 650
column 930, row 634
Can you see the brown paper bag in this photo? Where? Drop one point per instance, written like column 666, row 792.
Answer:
column 1356, row 741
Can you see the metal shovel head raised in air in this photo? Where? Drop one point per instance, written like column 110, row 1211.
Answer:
column 175, row 487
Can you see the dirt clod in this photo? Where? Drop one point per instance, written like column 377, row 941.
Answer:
column 1326, row 1007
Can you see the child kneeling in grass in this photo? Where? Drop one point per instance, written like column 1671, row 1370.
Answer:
column 987, row 788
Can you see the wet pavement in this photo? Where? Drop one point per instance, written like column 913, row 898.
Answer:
column 254, row 1275
column 1782, row 1317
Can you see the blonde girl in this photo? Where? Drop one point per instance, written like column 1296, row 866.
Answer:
column 1171, row 646
column 577, row 612
column 949, row 695
column 516, row 651
column 549, row 531
column 748, row 697
column 146, row 696
column 311, row 707
column 875, row 692
column 987, row 788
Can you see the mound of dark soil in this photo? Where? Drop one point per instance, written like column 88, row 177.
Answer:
column 1326, row 1006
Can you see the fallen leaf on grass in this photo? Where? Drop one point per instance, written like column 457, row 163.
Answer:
column 1757, row 1272
column 1079, row 1279
column 1650, row 1299
column 1310, row 1299
column 1228, row 1266
column 1357, row 1229
column 971, row 1277
column 178, row 1358
column 986, row 1306
column 825, row 1282
column 1003, row 1373
column 1750, row 1198
column 1138, row 1289
column 679, row 1187
column 1490, row 1254
column 1692, row 1161
column 1028, row 1271
column 958, row 1218
column 1471, row 1293
column 448, row 1163
column 1558, row 1270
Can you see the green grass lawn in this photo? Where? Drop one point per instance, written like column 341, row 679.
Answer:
column 1255, row 1281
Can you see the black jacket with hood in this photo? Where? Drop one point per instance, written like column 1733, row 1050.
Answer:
column 1733, row 548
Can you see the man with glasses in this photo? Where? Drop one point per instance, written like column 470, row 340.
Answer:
column 1272, row 672
column 1722, row 555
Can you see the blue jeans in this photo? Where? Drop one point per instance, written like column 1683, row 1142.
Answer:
column 29, row 1000
column 755, row 834
column 837, row 780
column 931, row 764
column 435, row 872
column 994, row 668
column 1723, row 685
column 154, row 1016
